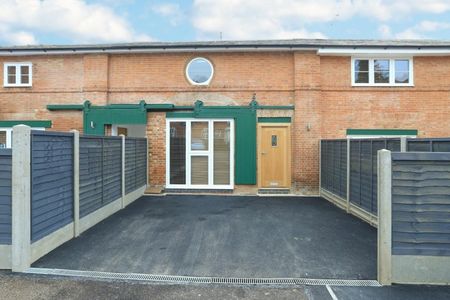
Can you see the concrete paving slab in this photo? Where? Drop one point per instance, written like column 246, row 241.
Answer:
column 229, row 236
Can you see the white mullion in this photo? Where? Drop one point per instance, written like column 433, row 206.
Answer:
column 8, row 138
column 211, row 153
column 188, row 153
column 18, row 74
column 411, row 71
column 371, row 71
column 391, row 71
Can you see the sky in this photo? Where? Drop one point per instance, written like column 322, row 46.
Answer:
column 27, row 22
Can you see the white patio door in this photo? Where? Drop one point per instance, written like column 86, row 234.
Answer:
column 200, row 153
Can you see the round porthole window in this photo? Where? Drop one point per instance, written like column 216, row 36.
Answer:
column 199, row 71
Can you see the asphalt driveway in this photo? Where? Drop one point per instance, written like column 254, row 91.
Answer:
column 229, row 236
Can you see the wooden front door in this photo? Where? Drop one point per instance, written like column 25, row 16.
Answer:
column 274, row 155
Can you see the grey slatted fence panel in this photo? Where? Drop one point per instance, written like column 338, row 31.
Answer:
column 421, row 204
column 51, row 182
column 130, row 165
column 334, row 167
column 363, row 171
column 428, row 145
column 5, row 196
column 141, row 162
column 100, row 172
column 112, row 169
column 91, row 190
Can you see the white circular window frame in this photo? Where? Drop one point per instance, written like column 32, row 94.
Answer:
column 202, row 83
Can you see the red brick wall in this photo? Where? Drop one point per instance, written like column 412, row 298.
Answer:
column 156, row 134
column 320, row 87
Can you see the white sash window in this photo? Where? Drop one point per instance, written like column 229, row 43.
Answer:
column 200, row 153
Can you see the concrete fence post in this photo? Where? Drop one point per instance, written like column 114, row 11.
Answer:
column 384, row 217
column 76, row 183
column 146, row 166
column 123, row 170
column 320, row 168
column 21, row 198
column 348, row 175
column 403, row 144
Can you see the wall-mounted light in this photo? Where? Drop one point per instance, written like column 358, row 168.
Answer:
column 308, row 127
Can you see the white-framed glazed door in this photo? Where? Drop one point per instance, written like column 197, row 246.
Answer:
column 200, row 153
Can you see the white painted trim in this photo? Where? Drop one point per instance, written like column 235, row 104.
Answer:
column 17, row 65
column 5, row 257
column 209, row 153
column 391, row 71
column 100, row 214
column 51, row 242
column 202, row 83
column 47, row 52
column 8, row 131
column 350, row 51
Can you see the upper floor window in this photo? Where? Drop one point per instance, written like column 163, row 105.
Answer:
column 17, row 74
column 199, row 71
column 382, row 72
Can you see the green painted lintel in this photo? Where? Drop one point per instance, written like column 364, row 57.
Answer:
column 31, row 123
column 275, row 107
column 274, row 120
column 385, row 132
column 53, row 107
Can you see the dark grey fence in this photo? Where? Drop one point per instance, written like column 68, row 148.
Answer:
column 100, row 172
column 51, row 182
column 135, row 163
column 428, row 145
column 363, row 170
column 5, row 196
column 333, row 167
column 421, row 204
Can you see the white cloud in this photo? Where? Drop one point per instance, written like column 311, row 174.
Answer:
column 421, row 30
column 252, row 19
column 385, row 31
column 170, row 10
column 76, row 20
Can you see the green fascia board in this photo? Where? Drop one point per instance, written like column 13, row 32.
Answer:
column 53, row 107
column 245, row 137
column 101, row 116
column 159, row 106
column 384, row 132
column 274, row 120
column 31, row 123
column 276, row 107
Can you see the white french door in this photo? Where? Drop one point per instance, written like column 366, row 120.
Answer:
column 200, row 153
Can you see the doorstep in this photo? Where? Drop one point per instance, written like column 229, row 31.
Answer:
column 269, row 191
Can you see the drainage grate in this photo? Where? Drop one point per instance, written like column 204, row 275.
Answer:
column 195, row 279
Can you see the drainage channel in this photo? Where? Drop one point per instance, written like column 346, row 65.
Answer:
column 201, row 280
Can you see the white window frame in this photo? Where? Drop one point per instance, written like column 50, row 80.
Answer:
column 207, row 82
column 391, row 71
column 17, row 65
column 209, row 153
column 9, row 131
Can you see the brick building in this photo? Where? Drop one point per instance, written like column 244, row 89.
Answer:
column 237, row 116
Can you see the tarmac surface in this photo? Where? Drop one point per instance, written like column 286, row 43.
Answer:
column 226, row 236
